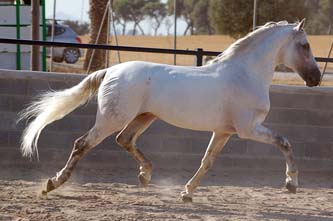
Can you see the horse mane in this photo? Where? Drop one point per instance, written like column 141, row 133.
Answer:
column 241, row 43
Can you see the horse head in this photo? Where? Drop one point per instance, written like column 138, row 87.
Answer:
column 297, row 55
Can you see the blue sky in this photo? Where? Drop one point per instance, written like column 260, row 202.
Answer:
column 78, row 10
column 68, row 9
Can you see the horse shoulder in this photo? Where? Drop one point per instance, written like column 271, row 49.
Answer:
column 249, row 91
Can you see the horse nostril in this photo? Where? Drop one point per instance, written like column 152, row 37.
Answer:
column 314, row 78
column 317, row 75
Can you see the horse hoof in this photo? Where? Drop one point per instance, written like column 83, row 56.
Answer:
column 291, row 188
column 143, row 180
column 186, row 198
column 49, row 187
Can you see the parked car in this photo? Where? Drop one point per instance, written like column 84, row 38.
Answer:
column 63, row 33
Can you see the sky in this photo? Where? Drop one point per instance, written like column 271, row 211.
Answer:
column 68, row 9
column 78, row 10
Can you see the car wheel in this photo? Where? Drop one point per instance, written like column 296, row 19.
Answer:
column 71, row 55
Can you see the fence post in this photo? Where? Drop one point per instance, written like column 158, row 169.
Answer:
column 35, row 53
column 199, row 56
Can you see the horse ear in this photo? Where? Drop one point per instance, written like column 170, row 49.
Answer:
column 300, row 25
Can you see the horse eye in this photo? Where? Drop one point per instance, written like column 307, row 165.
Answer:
column 305, row 46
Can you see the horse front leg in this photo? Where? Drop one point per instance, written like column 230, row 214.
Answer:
column 215, row 146
column 262, row 134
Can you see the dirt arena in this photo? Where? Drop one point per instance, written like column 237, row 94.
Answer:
column 227, row 195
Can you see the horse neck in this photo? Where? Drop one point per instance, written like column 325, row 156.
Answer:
column 262, row 54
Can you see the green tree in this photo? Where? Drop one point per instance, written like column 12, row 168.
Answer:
column 130, row 11
column 320, row 18
column 234, row 17
column 315, row 19
column 156, row 11
column 195, row 14
column 272, row 10
column 137, row 14
column 180, row 7
column 200, row 17
column 184, row 10
column 329, row 12
column 79, row 28
column 231, row 17
column 121, row 13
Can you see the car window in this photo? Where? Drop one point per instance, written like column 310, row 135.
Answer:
column 57, row 31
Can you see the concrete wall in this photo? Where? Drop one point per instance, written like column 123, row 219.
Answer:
column 303, row 115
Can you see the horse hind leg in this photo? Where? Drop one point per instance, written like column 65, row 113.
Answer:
column 81, row 146
column 127, row 139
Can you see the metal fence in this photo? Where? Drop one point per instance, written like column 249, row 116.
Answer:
column 198, row 53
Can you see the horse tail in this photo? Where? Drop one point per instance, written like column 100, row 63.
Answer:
column 54, row 105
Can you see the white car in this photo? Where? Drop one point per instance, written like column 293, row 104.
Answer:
column 63, row 33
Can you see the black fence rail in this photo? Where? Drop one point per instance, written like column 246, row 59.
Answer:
column 199, row 52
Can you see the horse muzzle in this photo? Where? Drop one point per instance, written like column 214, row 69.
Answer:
column 313, row 78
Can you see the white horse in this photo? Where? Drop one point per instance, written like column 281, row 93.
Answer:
column 228, row 96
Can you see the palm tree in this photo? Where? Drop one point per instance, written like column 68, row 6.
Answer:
column 96, row 11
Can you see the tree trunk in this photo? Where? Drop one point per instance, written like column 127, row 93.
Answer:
column 140, row 28
column 134, row 29
column 157, row 26
column 123, row 28
column 186, row 29
column 96, row 11
column 329, row 30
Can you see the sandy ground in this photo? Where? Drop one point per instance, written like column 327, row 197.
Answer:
column 228, row 195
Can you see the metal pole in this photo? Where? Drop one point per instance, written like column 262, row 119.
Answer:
column 52, row 33
column 254, row 15
column 18, row 35
column 44, row 31
column 325, row 66
column 199, row 56
column 34, row 60
column 175, row 31
column 108, row 29
column 115, row 33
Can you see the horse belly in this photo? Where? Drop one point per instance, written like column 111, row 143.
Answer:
column 193, row 121
column 185, row 110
